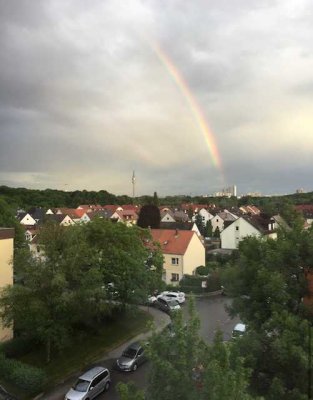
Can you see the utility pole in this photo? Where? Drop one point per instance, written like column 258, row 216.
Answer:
column 133, row 183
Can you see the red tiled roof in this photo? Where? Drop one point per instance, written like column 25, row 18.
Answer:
column 127, row 214
column 7, row 233
column 172, row 241
column 130, row 207
column 72, row 212
column 305, row 208
column 111, row 207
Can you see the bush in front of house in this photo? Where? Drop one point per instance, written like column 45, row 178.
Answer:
column 23, row 376
column 202, row 270
column 17, row 347
column 194, row 284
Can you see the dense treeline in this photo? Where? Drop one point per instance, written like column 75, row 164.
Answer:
column 26, row 198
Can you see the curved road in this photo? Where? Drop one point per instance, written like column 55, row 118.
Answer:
column 212, row 315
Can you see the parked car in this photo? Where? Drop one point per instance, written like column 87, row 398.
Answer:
column 178, row 296
column 132, row 357
column 167, row 306
column 90, row 384
column 151, row 300
column 238, row 330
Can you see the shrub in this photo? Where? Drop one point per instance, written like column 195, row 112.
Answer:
column 25, row 377
column 202, row 270
column 17, row 347
column 191, row 283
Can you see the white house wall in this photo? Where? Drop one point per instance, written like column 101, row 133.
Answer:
column 237, row 231
column 28, row 220
column 217, row 221
column 167, row 218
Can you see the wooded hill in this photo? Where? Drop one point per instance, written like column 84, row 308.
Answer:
column 26, row 198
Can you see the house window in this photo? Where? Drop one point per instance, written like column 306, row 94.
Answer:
column 237, row 228
column 175, row 277
column 175, row 261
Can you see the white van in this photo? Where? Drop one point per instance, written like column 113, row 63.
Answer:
column 90, row 384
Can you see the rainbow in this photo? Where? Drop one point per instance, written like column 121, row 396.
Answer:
column 194, row 106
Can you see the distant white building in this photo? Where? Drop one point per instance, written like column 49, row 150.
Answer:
column 227, row 192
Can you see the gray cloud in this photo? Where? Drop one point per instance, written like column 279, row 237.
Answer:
column 85, row 98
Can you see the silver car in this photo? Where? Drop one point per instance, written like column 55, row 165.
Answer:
column 90, row 384
column 133, row 356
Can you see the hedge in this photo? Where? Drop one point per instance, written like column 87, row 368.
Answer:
column 25, row 377
column 191, row 283
column 17, row 347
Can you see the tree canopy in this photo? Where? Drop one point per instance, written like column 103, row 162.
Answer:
column 149, row 217
column 184, row 367
column 268, row 284
column 74, row 280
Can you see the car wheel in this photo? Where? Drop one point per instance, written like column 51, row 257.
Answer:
column 107, row 386
column 135, row 366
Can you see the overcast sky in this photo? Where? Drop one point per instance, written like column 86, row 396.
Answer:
column 85, row 99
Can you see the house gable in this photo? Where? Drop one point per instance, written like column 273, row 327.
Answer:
column 237, row 231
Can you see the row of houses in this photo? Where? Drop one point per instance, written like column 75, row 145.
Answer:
column 232, row 227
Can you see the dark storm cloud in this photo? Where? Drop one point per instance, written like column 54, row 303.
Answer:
column 84, row 97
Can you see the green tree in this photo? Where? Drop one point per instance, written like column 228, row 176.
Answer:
column 149, row 217
column 129, row 392
column 8, row 220
column 208, row 229
column 268, row 284
column 200, row 225
column 156, row 201
column 69, row 285
column 56, row 291
column 121, row 254
column 217, row 232
column 185, row 367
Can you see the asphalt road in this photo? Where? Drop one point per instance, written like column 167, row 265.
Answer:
column 212, row 315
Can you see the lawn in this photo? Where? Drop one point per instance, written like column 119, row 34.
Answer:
column 86, row 348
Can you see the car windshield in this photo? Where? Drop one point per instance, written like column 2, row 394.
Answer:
column 130, row 353
column 81, row 385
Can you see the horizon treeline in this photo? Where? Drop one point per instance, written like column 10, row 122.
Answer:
column 27, row 198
